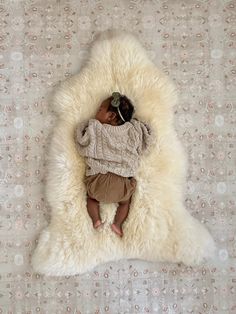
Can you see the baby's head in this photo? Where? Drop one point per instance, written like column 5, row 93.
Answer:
column 116, row 110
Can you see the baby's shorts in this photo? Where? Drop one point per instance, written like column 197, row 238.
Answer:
column 110, row 187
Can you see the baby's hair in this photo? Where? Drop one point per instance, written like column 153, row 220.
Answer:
column 126, row 108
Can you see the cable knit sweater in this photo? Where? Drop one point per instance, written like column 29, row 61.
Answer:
column 109, row 148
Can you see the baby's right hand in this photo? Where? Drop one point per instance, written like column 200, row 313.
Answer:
column 84, row 130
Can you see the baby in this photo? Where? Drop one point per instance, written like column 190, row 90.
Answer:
column 112, row 144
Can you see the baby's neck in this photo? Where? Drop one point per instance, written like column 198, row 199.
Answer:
column 111, row 123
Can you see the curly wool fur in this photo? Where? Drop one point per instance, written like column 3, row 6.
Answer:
column 158, row 227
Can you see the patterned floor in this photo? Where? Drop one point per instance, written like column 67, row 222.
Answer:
column 44, row 42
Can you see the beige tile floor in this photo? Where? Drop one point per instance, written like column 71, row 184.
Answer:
column 44, row 42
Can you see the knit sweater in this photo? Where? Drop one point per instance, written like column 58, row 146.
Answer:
column 109, row 148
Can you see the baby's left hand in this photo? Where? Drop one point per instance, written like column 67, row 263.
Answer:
column 148, row 128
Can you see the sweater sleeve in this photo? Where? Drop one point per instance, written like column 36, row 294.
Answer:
column 83, row 137
column 144, row 135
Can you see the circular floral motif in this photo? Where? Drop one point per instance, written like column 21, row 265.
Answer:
column 190, row 187
column 17, row 23
column 19, row 190
column 215, row 20
column 221, row 187
column 84, row 22
column 18, row 88
column 19, row 295
column 185, row 120
column 18, row 208
column 103, row 22
column 148, row 21
column 3, row 117
column 219, row 120
column 223, row 254
column 216, row 85
column 216, row 53
column 16, row 56
column 18, row 259
column 18, row 123
column 221, row 155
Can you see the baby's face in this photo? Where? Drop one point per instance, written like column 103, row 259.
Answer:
column 103, row 115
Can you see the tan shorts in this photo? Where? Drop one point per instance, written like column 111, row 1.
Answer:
column 110, row 187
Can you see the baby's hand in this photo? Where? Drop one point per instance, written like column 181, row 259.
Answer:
column 148, row 128
column 81, row 128
column 84, row 130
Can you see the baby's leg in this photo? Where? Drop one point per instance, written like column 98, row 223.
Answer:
column 121, row 214
column 93, row 211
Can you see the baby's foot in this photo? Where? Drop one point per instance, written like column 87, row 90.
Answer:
column 117, row 229
column 97, row 224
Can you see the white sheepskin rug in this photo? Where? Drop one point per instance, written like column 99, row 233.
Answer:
column 158, row 227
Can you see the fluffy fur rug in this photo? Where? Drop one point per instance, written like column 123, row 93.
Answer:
column 158, row 227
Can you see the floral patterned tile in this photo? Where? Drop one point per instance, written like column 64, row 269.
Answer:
column 45, row 42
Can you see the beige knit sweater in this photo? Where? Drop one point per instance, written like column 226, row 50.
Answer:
column 109, row 148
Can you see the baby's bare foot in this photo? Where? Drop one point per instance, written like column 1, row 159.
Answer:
column 117, row 229
column 97, row 224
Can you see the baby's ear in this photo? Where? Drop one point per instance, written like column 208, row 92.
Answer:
column 112, row 115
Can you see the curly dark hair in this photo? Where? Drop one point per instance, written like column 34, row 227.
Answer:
column 126, row 108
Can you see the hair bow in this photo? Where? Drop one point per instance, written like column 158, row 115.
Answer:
column 116, row 103
column 116, row 99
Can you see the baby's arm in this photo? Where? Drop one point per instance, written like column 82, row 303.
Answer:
column 82, row 137
column 145, row 135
